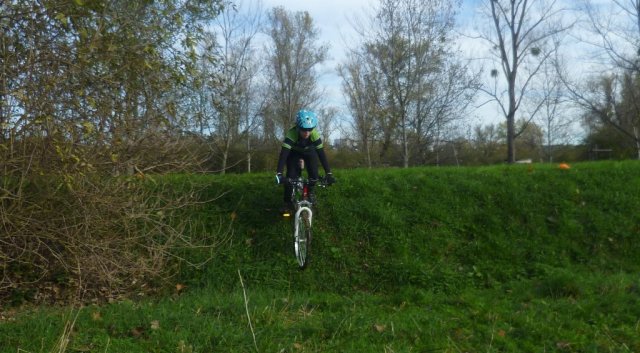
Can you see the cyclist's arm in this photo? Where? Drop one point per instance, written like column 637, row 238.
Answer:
column 323, row 159
column 317, row 143
column 284, row 153
column 290, row 138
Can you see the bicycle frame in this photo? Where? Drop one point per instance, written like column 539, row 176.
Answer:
column 299, row 190
column 303, row 219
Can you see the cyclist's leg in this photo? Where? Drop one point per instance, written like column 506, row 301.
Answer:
column 311, row 163
column 293, row 168
column 292, row 172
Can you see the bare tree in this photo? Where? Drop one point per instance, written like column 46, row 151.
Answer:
column 327, row 122
column 293, row 54
column 362, row 88
column 611, row 101
column 521, row 34
column 487, row 143
column 236, row 28
column 446, row 103
column 614, row 31
column 407, row 55
column 554, row 116
column 410, row 48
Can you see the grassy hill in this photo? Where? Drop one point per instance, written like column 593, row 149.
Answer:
column 497, row 259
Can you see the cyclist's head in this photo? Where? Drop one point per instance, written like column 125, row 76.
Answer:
column 306, row 120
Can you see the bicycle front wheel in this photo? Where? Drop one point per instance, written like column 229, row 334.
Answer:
column 302, row 237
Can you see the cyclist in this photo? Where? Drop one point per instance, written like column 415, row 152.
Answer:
column 302, row 142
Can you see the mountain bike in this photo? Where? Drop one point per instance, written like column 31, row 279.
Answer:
column 302, row 217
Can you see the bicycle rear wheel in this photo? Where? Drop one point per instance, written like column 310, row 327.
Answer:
column 302, row 237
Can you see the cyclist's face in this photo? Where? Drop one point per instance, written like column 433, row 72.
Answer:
column 304, row 134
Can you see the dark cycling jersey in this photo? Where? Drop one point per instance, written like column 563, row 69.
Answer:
column 292, row 141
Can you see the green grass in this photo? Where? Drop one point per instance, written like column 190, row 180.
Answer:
column 491, row 259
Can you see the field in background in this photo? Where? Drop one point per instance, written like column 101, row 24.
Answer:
column 529, row 258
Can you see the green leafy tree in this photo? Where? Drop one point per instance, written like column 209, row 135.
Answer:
column 89, row 89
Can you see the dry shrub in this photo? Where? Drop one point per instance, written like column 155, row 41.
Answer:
column 85, row 235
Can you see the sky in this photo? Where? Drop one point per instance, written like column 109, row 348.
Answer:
column 334, row 19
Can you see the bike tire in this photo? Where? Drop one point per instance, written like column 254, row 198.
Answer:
column 302, row 238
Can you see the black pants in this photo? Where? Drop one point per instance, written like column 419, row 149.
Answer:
column 293, row 169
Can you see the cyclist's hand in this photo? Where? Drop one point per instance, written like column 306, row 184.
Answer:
column 330, row 179
column 279, row 178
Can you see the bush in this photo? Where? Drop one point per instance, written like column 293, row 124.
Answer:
column 91, row 237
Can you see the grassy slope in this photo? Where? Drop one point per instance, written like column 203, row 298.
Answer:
column 520, row 258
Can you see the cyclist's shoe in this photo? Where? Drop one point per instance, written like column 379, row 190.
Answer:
column 286, row 209
column 330, row 179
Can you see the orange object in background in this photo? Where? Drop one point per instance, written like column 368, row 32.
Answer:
column 564, row 166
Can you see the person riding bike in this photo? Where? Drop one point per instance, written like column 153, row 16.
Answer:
column 302, row 141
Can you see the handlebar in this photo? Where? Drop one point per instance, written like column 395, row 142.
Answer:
column 322, row 181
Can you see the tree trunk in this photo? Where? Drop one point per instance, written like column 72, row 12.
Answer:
column 405, row 144
column 549, row 156
column 224, row 163
column 511, row 116
column 635, row 133
column 367, row 149
column 511, row 145
column 248, row 153
column 225, row 155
